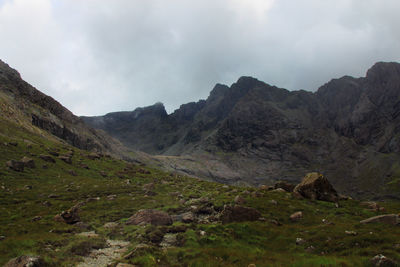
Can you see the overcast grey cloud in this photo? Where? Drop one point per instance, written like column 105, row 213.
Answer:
column 98, row 56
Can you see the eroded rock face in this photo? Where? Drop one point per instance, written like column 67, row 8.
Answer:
column 316, row 187
column 149, row 216
column 239, row 214
column 25, row 261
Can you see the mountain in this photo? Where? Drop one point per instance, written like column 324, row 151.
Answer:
column 256, row 133
column 23, row 104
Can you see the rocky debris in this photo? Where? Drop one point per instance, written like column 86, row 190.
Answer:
column 316, row 187
column 26, row 261
column 381, row 260
column 15, row 165
column 105, row 256
column 149, row 216
column 391, row 219
column 66, row 159
column 288, row 187
column 239, row 200
column 297, row 216
column 47, row 158
column 169, row 240
column 28, row 162
column 239, row 214
column 70, row 216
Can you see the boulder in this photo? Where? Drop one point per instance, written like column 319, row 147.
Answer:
column 47, row 158
column 316, row 186
column 239, row 214
column 25, row 261
column 149, row 216
column 288, row 187
column 188, row 217
column 392, row 219
column 381, row 260
column 28, row 162
column 15, row 165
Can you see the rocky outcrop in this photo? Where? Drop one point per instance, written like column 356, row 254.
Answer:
column 316, row 187
column 147, row 216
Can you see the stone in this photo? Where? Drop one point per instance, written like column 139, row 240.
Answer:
column 14, row 165
column 28, row 162
column 279, row 190
column 273, row 202
column 36, row 218
column 371, row 205
column 391, row 219
column 25, row 261
column 239, row 200
column 125, row 265
column 70, row 216
column 288, row 187
column 111, row 225
column 381, row 260
column 300, row 241
column 188, row 217
column 316, row 187
column 297, row 216
column 239, row 214
column 66, row 159
column 148, row 187
column 47, row 158
column 2, row 237
column 94, row 156
column 169, row 240
column 149, row 216
column 353, row 233
column 103, row 174
column 90, row 234
column 72, row 173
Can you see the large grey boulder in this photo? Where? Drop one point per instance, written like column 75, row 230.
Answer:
column 316, row 187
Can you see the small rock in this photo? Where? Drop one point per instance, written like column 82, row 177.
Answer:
column 2, row 237
column 111, row 197
column 90, row 234
column 66, row 159
column 169, row 240
column 202, row 233
column 239, row 200
column 111, row 225
column 300, row 241
column 28, row 187
column 381, row 260
column 72, row 172
column 28, row 162
column 36, row 218
column 46, row 203
column 350, row 233
column 47, row 158
column 125, row 265
column 149, row 187
column 251, row 265
column 297, row 216
column 288, row 187
column 275, row 222
column 310, row 249
column 94, row 156
column 53, row 196
column 225, row 187
column 279, row 190
column 188, row 217
column 14, row 165
column 25, row 261
column 70, row 216
column 13, row 143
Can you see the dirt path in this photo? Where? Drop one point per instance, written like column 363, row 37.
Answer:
column 103, row 257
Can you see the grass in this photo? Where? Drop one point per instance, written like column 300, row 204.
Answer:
column 26, row 195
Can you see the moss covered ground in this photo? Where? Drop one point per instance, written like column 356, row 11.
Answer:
column 112, row 190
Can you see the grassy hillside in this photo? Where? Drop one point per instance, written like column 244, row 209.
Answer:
column 112, row 191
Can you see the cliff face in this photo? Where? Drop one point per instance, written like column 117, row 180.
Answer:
column 24, row 104
column 348, row 129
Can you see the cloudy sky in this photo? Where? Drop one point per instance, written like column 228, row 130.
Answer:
column 98, row 56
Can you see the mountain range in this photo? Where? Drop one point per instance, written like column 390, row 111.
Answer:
column 255, row 133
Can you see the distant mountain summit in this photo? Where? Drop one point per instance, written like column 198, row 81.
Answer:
column 349, row 129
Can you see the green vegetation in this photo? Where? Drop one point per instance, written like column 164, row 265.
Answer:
column 112, row 191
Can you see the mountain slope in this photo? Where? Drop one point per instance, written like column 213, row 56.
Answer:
column 253, row 132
